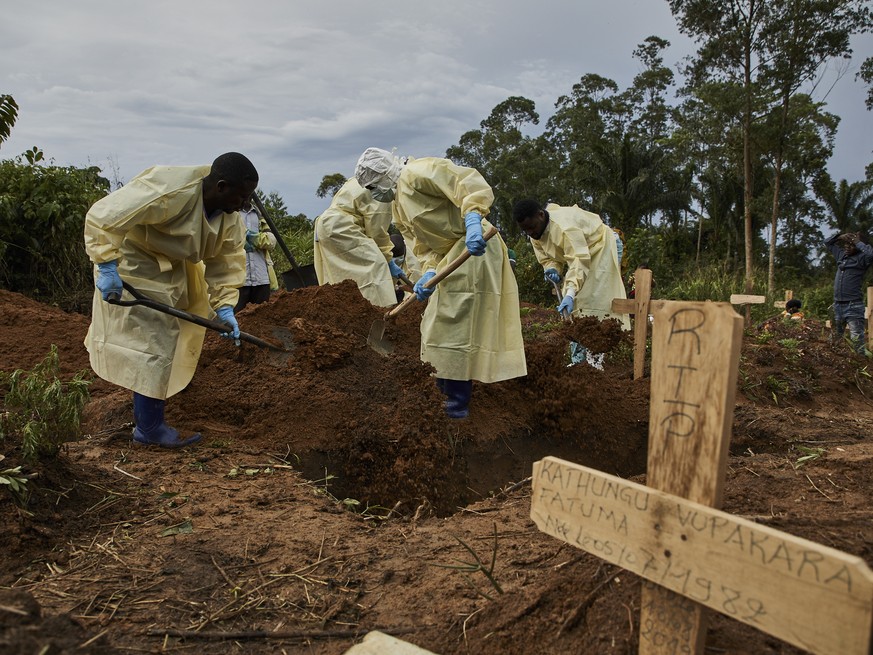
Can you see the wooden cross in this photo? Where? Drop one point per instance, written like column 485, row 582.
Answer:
column 641, row 305
column 780, row 304
column 747, row 300
column 691, row 555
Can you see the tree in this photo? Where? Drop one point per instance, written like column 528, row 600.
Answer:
column 729, row 34
column 506, row 158
column 849, row 204
column 8, row 115
column 768, row 49
column 799, row 38
column 330, row 184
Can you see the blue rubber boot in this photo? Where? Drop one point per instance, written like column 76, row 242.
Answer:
column 148, row 413
column 458, row 394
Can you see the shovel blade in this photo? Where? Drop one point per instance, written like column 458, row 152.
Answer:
column 376, row 339
column 292, row 280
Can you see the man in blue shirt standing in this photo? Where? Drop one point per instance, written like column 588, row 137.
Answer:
column 853, row 259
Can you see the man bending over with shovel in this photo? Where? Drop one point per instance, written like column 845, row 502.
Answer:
column 471, row 328
column 172, row 232
column 576, row 240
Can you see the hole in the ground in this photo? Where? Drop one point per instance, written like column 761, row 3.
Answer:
column 474, row 470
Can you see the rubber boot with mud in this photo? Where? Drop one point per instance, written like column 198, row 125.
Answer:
column 151, row 429
column 458, row 394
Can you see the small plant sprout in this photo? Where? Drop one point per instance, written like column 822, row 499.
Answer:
column 477, row 566
column 809, row 454
column 15, row 481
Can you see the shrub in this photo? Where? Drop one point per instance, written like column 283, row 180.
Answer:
column 40, row 410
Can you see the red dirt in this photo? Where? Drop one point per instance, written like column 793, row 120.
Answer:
column 251, row 530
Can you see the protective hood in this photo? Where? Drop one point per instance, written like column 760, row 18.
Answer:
column 379, row 168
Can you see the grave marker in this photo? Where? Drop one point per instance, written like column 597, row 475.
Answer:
column 641, row 305
column 668, row 532
column 804, row 593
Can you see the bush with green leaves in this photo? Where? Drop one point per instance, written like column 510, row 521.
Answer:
column 42, row 219
column 40, row 410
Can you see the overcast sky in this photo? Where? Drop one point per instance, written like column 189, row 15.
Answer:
column 302, row 87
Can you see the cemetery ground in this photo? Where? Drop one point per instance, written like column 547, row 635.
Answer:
column 330, row 496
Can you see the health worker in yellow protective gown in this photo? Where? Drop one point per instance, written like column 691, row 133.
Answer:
column 351, row 242
column 471, row 328
column 579, row 255
column 173, row 233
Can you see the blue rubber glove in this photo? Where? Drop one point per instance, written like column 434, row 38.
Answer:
column 225, row 315
column 396, row 271
column 108, row 280
column 552, row 275
column 420, row 292
column 566, row 304
column 475, row 243
column 250, row 244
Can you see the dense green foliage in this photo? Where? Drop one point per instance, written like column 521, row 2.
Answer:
column 42, row 220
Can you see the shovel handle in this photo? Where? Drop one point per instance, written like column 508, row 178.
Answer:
column 218, row 326
column 436, row 279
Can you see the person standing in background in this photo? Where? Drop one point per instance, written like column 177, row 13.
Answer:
column 351, row 242
column 259, row 242
column 854, row 257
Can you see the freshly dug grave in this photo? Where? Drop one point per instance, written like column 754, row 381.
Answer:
column 250, row 530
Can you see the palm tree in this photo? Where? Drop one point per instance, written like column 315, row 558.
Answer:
column 850, row 205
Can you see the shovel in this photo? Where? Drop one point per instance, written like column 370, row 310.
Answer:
column 298, row 276
column 218, row 326
column 376, row 339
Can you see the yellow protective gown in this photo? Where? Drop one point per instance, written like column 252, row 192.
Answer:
column 471, row 328
column 582, row 242
column 352, row 243
column 156, row 228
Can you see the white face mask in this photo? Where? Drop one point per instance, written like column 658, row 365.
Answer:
column 382, row 195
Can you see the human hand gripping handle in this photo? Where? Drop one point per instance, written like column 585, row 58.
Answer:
column 109, row 281
column 225, row 315
column 566, row 306
column 421, row 291
column 552, row 275
column 396, row 271
column 431, row 281
column 475, row 243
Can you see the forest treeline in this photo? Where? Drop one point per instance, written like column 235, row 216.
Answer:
column 715, row 172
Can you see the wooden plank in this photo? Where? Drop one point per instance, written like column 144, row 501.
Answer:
column 378, row 643
column 869, row 316
column 695, row 357
column 746, row 299
column 809, row 595
column 629, row 306
column 642, row 296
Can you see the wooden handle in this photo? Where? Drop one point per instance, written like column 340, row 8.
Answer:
column 436, row 279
